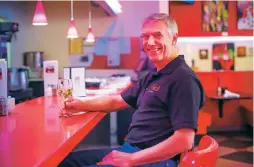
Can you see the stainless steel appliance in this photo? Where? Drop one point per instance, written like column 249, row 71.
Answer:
column 13, row 79
column 17, row 79
column 23, row 76
column 34, row 61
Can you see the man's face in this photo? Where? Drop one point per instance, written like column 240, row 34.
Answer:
column 157, row 41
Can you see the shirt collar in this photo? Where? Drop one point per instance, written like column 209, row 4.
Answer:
column 171, row 66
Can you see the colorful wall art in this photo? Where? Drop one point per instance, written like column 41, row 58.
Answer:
column 223, row 56
column 215, row 16
column 245, row 19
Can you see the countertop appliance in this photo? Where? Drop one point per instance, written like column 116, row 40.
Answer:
column 34, row 61
column 24, row 76
column 17, row 79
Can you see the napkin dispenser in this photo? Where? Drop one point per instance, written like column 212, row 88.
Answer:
column 77, row 76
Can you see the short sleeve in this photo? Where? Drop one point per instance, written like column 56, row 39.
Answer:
column 130, row 96
column 184, row 103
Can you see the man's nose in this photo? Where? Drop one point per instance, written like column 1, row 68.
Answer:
column 151, row 40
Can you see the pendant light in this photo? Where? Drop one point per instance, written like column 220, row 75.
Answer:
column 39, row 18
column 72, row 31
column 90, row 36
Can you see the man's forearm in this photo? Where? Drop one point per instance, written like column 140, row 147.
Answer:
column 104, row 103
column 167, row 149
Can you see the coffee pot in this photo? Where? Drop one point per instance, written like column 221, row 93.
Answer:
column 18, row 79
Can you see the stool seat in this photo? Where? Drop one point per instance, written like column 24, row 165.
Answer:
column 205, row 155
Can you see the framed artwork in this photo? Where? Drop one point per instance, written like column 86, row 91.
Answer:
column 245, row 15
column 223, row 56
column 215, row 16
column 241, row 51
column 203, row 54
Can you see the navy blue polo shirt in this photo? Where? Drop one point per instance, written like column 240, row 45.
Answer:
column 164, row 102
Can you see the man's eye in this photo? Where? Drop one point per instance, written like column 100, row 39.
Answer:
column 144, row 36
column 158, row 35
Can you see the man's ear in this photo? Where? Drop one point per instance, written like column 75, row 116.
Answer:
column 175, row 37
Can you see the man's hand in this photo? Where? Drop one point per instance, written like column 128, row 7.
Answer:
column 117, row 158
column 72, row 105
column 102, row 104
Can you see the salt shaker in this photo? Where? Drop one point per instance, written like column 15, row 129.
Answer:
column 11, row 103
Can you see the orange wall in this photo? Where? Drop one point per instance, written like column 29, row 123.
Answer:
column 236, row 82
column 189, row 19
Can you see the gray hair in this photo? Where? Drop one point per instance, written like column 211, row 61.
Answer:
column 168, row 20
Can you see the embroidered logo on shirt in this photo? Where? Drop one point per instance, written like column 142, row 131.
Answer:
column 154, row 87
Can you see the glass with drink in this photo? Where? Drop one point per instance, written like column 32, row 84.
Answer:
column 64, row 92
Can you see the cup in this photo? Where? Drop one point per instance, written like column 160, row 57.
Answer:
column 64, row 91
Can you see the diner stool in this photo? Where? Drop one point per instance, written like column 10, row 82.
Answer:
column 205, row 155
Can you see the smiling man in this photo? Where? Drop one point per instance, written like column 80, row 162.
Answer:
column 166, row 106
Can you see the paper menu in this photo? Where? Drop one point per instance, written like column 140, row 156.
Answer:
column 77, row 76
column 3, row 79
column 50, row 73
column 78, row 81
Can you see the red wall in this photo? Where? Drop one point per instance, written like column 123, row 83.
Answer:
column 235, row 81
column 189, row 19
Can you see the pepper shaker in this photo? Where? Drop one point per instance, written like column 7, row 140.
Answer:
column 3, row 108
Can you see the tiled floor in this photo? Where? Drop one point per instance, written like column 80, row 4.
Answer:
column 235, row 150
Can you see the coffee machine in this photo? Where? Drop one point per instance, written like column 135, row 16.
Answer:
column 34, row 62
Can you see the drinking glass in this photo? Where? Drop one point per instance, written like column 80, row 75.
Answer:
column 64, row 91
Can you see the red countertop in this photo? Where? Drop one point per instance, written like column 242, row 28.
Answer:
column 34, row 135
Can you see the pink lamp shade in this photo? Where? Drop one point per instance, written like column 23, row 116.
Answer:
column 72, row 32
column 39, row 18
column 90, row 37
